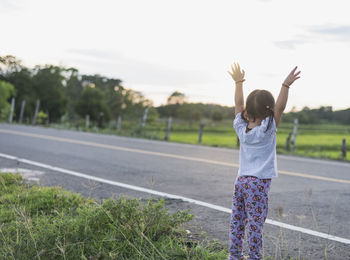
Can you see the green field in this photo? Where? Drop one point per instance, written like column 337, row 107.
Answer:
column 320, row 141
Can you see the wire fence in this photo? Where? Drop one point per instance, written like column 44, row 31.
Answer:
column 323, row 138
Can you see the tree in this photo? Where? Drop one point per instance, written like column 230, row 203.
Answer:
column 217, row 115
column 176, row 98
column 12, row 71
column 115, row 101
column 174, row 102
column 48, row 84
column 113, row 91
column 23, row 83
column 190, row 112
column 92, row 103
column 7, row 90
column 134, row 103
column 103, row 83
column 72, row 90
column 9, row 64
column 153, row 115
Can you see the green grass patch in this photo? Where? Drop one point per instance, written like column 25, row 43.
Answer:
column 51, row 223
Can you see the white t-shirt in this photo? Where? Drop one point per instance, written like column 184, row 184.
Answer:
column 257, row 153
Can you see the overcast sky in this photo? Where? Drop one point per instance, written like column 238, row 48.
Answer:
column 159, row 46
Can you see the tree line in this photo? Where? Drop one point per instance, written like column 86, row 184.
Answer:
column 66, row 93
column 321, row 115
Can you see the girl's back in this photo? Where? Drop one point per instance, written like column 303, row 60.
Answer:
column 257, row 156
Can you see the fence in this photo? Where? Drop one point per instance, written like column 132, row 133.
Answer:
column 294, row 138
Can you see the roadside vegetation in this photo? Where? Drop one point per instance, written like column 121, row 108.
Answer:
column 51, row 223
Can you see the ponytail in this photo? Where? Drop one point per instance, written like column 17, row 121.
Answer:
column 271, row 116
column 242, row 116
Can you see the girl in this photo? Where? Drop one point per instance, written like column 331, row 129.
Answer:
column 256, row 127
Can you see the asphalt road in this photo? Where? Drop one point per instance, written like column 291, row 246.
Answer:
column 309, row 193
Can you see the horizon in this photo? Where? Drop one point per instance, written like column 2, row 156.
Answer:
column 153, row 51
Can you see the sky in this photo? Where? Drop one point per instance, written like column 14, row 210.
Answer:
column 161, row 46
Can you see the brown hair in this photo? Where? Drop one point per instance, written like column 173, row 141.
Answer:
column 260, row 104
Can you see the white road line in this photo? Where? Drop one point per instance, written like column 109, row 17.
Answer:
column 172, row 196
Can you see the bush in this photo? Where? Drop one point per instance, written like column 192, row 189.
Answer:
column 51, row 223
column 41, row 118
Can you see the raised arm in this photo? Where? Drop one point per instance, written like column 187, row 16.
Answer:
column 238, row 76
column 283, row 96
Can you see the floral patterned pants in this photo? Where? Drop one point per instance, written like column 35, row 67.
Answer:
column 249, row 208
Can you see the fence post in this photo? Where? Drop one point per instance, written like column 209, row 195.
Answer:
column 22, row 111
column 48, row 117
column 167, row 137
column 36, row 111
column 343, row 148
column 295, row 129
column 87, row 121
column 201, row 126
column 100, row 120
column 288, row 141
column 144, row 118
column 119, row 123
column 12, row 109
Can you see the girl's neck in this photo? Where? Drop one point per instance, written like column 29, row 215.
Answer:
column 252, row 124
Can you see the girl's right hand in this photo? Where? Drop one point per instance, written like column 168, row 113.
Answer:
column 236, row 73
column 291, row 77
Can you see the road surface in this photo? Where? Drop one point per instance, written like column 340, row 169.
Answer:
column 309, row 193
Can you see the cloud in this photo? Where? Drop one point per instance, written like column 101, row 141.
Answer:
column 289, row 44
column 316, row 33
column 341, row 32
column 10, row 5
column 138, row 72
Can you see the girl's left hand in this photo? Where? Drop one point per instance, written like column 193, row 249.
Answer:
column 291, row 77
column 237, row 74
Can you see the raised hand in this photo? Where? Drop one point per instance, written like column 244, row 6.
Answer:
column 237, row 74
column 291, row 77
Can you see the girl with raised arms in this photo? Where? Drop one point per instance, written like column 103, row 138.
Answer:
column 255, row 124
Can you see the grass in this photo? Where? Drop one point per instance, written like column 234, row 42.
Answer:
column 320, row 141
column 51, row 223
